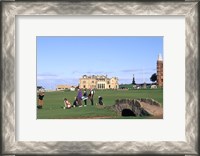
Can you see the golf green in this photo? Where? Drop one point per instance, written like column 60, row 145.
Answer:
column 53, row 103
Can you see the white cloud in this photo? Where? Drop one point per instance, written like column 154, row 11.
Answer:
column 52, row 83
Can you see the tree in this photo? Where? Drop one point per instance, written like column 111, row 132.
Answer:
column 133, row 81
column 153, row 77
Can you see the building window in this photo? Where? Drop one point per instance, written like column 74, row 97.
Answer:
column 101, row 86
column 84, row 81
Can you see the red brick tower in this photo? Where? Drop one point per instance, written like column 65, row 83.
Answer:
column 160, row 71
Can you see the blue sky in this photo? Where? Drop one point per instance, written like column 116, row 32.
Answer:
column 63, row 60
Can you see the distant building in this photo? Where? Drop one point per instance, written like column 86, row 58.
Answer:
column 62, row 87
column 72, row 88
column 160, row 71
column 98, row 82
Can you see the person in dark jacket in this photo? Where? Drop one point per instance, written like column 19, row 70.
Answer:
column 75, row 103
column 84, row 98
column 79, row 97
column 91, row 96
column 100, row 100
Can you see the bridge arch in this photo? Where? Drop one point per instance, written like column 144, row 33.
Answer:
column 127, row 112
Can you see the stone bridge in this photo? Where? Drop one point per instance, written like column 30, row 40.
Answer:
column 138, row 107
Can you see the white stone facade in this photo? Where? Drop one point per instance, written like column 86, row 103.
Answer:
column 98, row 82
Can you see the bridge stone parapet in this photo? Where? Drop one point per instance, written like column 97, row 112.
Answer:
column 139, row 107
column 150, row 101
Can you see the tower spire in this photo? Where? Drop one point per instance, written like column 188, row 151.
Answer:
column 160, row 57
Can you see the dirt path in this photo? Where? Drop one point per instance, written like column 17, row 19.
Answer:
column 153, row 109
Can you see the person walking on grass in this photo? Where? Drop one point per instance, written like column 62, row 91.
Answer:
column 40, row 99
column 91, row 96
column 85, row 97
column 79, row 97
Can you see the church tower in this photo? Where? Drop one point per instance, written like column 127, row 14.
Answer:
column 160, row 71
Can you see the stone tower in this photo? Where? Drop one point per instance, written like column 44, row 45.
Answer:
column 160, row 71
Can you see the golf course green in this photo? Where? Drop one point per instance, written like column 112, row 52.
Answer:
column 53, row 104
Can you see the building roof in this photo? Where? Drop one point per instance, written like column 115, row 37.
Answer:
column 98, row 77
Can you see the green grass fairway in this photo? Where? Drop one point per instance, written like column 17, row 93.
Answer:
column 53, row 101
